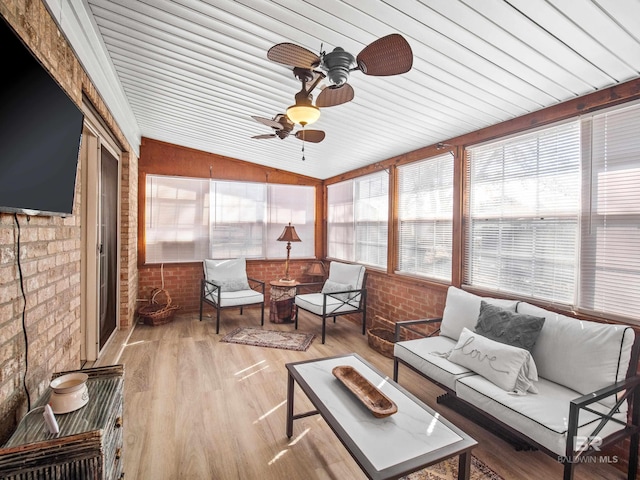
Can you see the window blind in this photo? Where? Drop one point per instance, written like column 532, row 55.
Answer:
column 523, row 214
column 340, row 215
column 295, row 204
column 610, row 270
column 358, row 219
column 189, row 219
column 237, row 219
column 425, row 217
column 176, row 219
column 371, row 217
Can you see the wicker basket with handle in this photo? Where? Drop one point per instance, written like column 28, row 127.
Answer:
column 159, row 310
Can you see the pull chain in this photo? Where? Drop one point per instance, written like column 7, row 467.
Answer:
column 303, row 143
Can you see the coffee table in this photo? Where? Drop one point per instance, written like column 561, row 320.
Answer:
column 414, row 437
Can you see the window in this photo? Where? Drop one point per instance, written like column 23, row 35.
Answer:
column 189, row 219
column 358, row 219
column 610, row 250
column 524, row 210
column 554, row 214
column 176, row 219
column 425, row 217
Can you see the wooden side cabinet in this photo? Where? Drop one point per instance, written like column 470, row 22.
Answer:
column 89, row 445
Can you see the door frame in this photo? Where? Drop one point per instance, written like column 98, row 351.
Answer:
column 95, row 135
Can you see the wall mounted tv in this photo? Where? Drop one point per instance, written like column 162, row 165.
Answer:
column 40, row 133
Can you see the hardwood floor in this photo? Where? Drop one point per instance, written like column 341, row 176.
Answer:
column 197, row 408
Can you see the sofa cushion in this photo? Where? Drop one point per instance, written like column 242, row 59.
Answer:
column 462, row 309
column 581, row 355
column 427, row 355
column 510, row 368
column 505, row 326
column 541, row 417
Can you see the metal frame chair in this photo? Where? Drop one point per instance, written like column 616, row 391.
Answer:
column 224, row 292
column 334, row 301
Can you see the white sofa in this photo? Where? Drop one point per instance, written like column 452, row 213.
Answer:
column 584, row 373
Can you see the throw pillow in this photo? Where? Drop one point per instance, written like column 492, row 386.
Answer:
column 517, row 329
column 510, row 368
column 234, row 285
column 330, row 286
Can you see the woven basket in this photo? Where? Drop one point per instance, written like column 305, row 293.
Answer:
column 159, row 310
column 381, row 340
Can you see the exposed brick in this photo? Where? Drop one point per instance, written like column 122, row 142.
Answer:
column 51, row 248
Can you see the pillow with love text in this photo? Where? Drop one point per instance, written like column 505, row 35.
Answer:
column 510, row 368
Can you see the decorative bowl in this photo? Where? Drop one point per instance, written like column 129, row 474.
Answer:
column 69, row 392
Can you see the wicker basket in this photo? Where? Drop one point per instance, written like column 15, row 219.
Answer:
column 382, row 340
column 159, row 310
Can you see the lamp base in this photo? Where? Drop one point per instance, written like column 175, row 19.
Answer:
column 287, row 281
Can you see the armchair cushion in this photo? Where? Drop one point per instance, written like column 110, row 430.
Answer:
column 313, row 303
column 237, row 298
column 229, row 275
column 347, row 274
column 330, row 286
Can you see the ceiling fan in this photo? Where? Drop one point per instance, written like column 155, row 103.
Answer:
column 389, row 55
column 283, row 127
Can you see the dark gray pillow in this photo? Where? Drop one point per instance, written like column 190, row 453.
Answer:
column 508, row 327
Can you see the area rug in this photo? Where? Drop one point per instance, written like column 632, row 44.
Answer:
column 269, row 338
column 448, row 470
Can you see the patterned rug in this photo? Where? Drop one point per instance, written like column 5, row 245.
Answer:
column 448, row 470
column 269, row 338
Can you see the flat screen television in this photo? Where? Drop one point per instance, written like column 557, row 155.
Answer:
column 40, row 133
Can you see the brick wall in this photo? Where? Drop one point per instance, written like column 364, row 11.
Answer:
column 389, row 296
column 50, row 262
column 182, row 281
column 50, row 247
column 129, row 239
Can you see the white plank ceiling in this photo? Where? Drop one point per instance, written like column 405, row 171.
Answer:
column 193, row 72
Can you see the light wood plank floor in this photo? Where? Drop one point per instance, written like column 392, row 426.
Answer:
column 196, row 408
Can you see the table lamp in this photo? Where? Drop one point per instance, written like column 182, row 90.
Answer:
column 288, row 235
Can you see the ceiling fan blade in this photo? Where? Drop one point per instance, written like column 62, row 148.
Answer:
column 334, row 95
column 293, row 55
column 313, row 136
column 268, row 122
column 390, row 55
column 266, row 135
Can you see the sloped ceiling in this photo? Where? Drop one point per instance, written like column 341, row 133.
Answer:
column 193, row 72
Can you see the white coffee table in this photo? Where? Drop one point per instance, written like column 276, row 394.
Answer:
column 414, row 437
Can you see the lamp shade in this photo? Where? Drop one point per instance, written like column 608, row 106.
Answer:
column 289, row 234
column 303, row 114
column 316, row 269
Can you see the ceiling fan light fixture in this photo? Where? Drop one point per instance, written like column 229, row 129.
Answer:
column 303, row 114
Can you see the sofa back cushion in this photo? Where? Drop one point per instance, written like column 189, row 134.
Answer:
column 581, row 355
column 462, row 310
